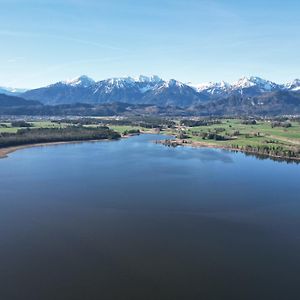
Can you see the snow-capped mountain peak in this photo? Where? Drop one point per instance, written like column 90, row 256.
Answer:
column 120, row 82
column 149, row 79
column 114, row 84
column 293, row 86
column 83, row 81
column 210, row 86
column 245, row 82
column 201, row 86
column 152, row 89
column 223, row 84
column 253, row 81
column 173, row 83
column 213, row 89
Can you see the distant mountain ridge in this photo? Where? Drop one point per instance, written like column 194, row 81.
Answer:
column 9, row 101
column 143, row 90
column 282, row 102
column 151, row 90
column 11, row 91
column 246, row 86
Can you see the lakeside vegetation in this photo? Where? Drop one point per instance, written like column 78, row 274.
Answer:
column 50, row 135
column 277, row 137
column 273, row 138
column 13, row 126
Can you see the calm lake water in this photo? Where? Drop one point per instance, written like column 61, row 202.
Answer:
column 131, row 219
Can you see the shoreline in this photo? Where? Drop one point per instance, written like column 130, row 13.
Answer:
column 178, row 142
column 4, row 152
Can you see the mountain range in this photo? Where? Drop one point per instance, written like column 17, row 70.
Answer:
column 144, row 90
column 150, row 90
column 146, row 95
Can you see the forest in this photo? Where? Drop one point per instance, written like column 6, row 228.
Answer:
column 49, row 135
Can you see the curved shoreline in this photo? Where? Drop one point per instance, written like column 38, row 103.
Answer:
column 179, row 142
column 4, row 152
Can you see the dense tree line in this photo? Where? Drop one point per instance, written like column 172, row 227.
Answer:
column 215, row 136
column 152, row 122
column 79, row 121
column 48, row 135
column 20, row 124
column 145, row 122
column 270, row 150
column 131, row 131
column 281, row 124
column 249, row 122
column 196, row 123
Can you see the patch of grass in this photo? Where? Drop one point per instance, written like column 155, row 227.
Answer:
column 122, row 129
column 7, row 127
column 254, row 135
column 48, row 124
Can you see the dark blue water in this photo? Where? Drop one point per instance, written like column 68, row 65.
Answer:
column 135, row 220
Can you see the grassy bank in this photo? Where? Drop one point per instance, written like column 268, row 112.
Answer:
column 266, row 137
column 269, row 138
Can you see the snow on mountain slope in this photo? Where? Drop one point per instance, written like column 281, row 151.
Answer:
column 248, row 82
column 293, row 86
column 211, row 86
column 213, row 89
column 149, row 79
column 152, row 90
column 83, row 81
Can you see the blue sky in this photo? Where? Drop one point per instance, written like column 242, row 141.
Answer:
column 45, row 41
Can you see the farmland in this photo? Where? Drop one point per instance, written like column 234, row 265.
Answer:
column 274, row 138
column 267, row 137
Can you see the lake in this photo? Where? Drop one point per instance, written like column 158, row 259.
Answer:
column 132, row 219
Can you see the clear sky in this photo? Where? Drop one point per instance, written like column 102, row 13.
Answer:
column 44, row 41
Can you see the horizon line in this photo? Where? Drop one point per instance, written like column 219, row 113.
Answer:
column 136, row 78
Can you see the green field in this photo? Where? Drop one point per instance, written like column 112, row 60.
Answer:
column 48, row 124
column 242, row 136
column 41, row 124
column 235, row 133
column 122, row 129
column 248, row 133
